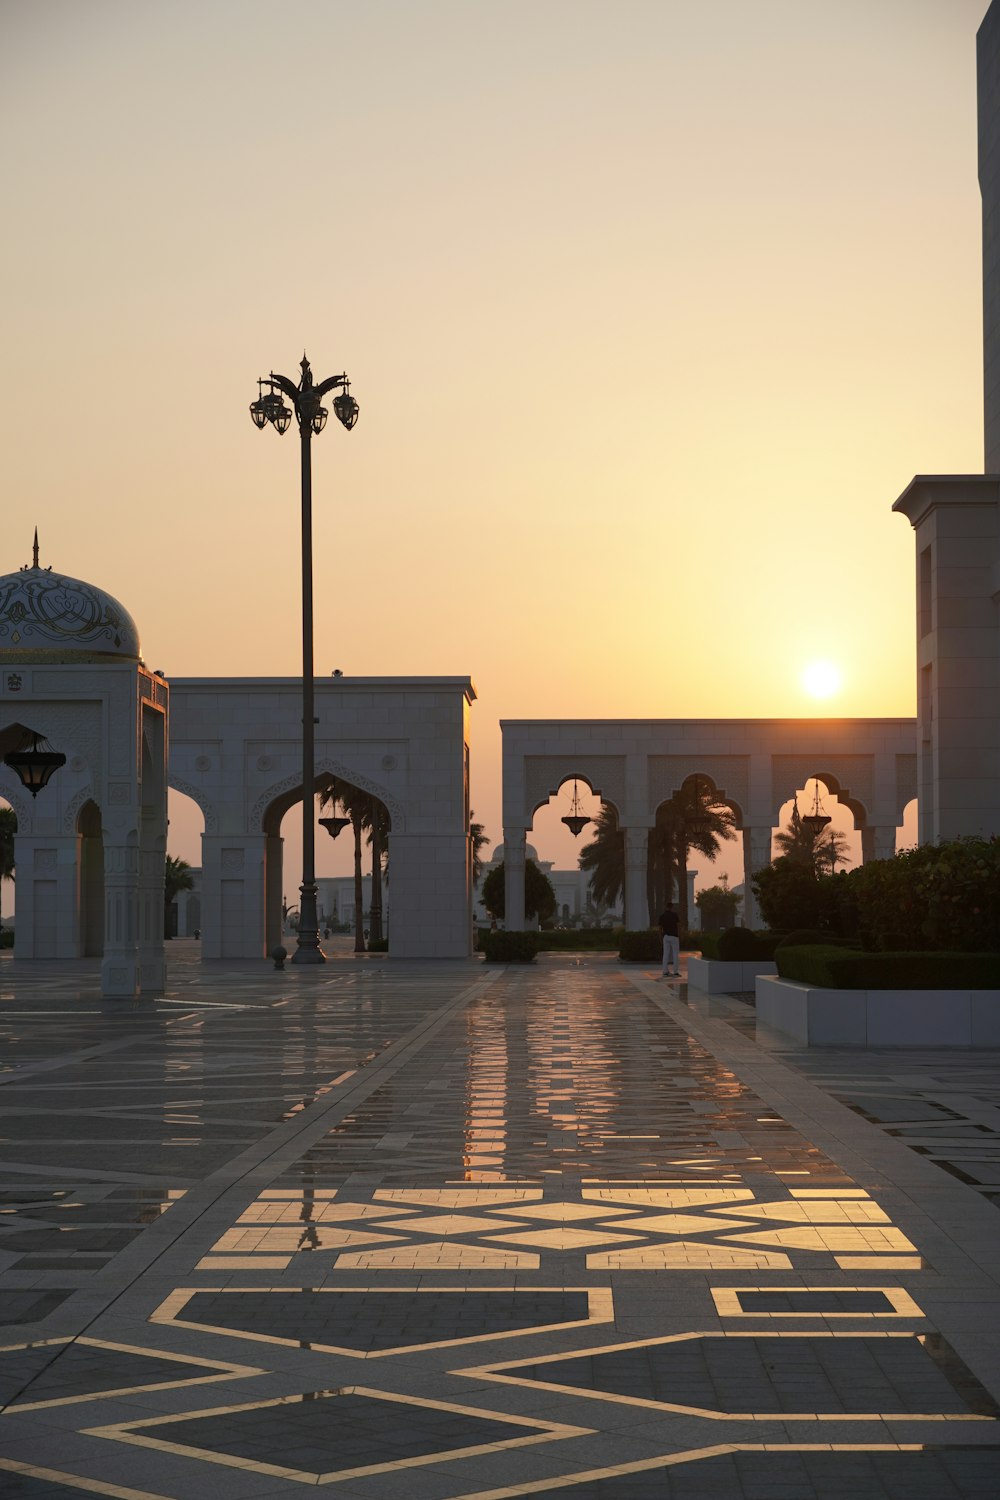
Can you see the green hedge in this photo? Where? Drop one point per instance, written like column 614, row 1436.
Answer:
column 378, row 945
column 710, row 944
column 943, row 896
column 830, row 967
column 582, row 940
column 510, row 947
column 641, row 947
column 720, row 945
column 737, row 945
column 6, row 938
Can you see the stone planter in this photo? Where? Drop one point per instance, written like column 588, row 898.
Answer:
column 879, row 1018
column 715, row 976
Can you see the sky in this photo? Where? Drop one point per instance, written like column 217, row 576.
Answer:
column 651, row 313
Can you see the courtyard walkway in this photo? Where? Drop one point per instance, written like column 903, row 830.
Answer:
column 442, row 1230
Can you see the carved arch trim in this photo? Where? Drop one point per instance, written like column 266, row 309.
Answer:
column 849, row 778
column 72, row 810
column 326, row 765
column 545, row 774
column 25, row 821
column 197, row 795
column 729, row 775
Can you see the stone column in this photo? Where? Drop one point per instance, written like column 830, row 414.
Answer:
column 637, row 914
column 48, row 896
column 756, row 854
column 430, row 894
column 878, row 843
column 120, row 964
column 514, row 841
column 232, row 885
column 274, row 864
column 152, row 963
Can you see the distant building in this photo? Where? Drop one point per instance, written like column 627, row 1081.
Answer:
column 573, row 896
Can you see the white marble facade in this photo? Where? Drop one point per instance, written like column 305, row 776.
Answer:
column 956, row 523
column 235, row 748
column 90, row 847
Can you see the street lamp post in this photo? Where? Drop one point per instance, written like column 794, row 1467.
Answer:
column 306, row 403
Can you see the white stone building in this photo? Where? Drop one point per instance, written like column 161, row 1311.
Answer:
column 90, row 846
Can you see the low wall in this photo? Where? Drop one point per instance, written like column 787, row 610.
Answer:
column 716, row 976
column 879, row 1018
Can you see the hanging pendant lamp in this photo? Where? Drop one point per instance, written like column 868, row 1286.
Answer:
column 575, row 821
column 817, row 820
column 34, row 766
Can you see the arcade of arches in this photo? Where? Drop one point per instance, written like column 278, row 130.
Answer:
column 754, row 766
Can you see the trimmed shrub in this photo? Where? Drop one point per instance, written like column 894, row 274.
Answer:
column 510, row 947
column 939, row 896
column 737, row 945
column 713, row 946
column 710, row 944
column 378, row 945
column 691, row 940
column 809, row 963
column 829, row 967
column 641, row 947
column 803, row 937
column 767, row 943
column 582, row 940
column 6, row 938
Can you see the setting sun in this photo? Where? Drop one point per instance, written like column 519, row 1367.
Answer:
column 821, row 679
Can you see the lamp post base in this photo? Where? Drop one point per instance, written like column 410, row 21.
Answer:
column 309, row 953
column 307, row 949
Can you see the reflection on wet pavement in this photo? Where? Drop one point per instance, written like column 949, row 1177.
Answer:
column 579, row 1253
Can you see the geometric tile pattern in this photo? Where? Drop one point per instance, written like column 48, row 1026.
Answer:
column 254, row 1174
column 20, row 1481
column 711, row 1226
column 814, row 1302
column 325, row 1436
column 819, row 1472
column 752, row 1376
column 60, row 1372
column 383, row 1320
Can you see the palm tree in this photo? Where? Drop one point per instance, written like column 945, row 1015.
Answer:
column 8, row 828
column 378, row 839
column 700, row 822
column 479, row 842
column 817, row 849
column 177, row 877
column 357, row 806
column 604, row 857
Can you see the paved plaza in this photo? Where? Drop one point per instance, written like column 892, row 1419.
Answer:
column 442, row 1230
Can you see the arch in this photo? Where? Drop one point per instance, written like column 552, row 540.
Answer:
column 852, row 783
column 720, row 797
column 17, row 800
column 729, row 775
column 198, row 796
column 90, row 863
column 907, row 829
column 74, row 807
column 589, row 783
column 288, row 791
column 843, row 795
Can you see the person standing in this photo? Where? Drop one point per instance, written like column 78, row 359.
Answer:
column 671, row 943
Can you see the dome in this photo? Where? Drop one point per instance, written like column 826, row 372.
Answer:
column 45, row 616
column 530, row 852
